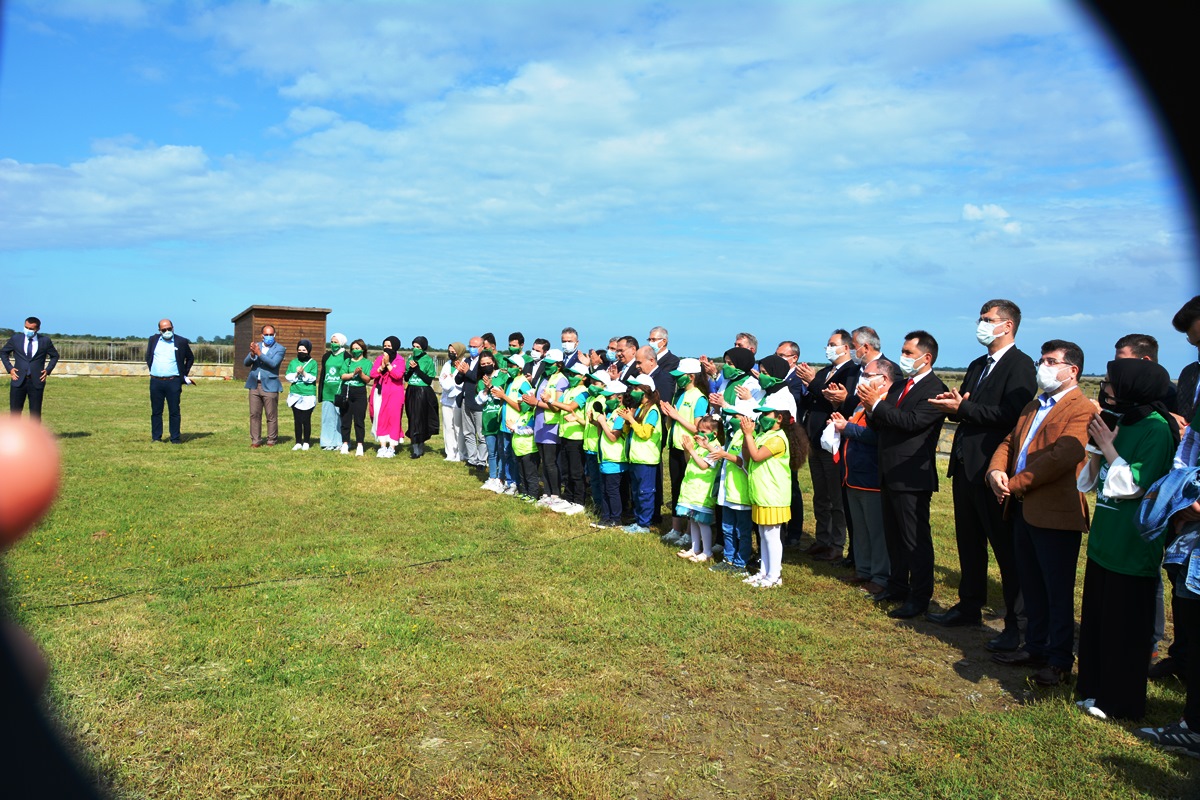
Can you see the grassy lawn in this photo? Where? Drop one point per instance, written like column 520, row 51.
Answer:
column 287, row 624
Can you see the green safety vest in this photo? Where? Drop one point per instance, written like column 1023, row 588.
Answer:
column 696, row 488
column 737, row 484
column 591, row 431
column 771, row 480
column 569, row 429
column 522, row 443
column 687, row 411
column 613, row 451
column 646, row 451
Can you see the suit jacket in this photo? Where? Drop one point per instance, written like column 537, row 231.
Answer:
column 668, row 361
column 469, row 381
column 1185, row 398
column 1046, row 486
column 268, row 362
column 816, row 409
column 664, row 382
column 26, row 367
column 796, row 387
column 908, row 436
column 990, row 413
column 183, row 353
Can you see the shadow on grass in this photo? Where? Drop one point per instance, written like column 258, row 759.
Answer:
column 1154, row 780
column 188, row 437
column 73, row 435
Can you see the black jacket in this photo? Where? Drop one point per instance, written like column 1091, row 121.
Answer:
column 992, row 410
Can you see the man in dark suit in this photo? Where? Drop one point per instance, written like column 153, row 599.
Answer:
column 662, row 354
column 828, row 389
column 995, row 389
column 28, row 367
column 169, row 359
column 664, row 384
column 789, row 351
column 570, row 348
column 908, row 429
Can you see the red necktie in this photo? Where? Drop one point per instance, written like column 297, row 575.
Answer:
column 907, row 386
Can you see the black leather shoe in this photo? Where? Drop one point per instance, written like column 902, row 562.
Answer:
column 1050, row 676
column 1020, row 658
column 956, row 618
column 888, row 597
column 848, row 563
column 1164, row 668
column 908, row 610
column 1006, row 642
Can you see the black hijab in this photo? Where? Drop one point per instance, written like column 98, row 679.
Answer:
column 307, row 345
column 395, row 343
column 422, row 342
column 771, row 372
column 741, row 358
column 1138, row 387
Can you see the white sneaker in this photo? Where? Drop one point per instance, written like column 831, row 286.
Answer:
column 358, row 451
column 686, row 554
column 700, row 558
column 304, row 447
column 755, row 579
column 381, row 453
column 498, row 486
column 489, row 484
column 560, row 506
column 345, row 449
column 768, row 583
column 573, row 509
column 510, row 489
column 297, row 446
column 547, row 500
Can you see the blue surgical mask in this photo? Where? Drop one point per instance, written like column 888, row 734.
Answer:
column 167, row 334
column 474, row 351
column 268, row 340
column 612, row 355
column 30, row 334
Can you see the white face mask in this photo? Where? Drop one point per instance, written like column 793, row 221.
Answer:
column 1047, row 378
column 985, row 332
column 569, row 347
column 535, row 356
column 831, row 353
column 908, row 366
column 856, row 358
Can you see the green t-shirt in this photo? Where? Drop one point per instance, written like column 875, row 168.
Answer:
column 1114, row 542
column 493, row 408
column 302, row 388
column 364, row 364
column 426, row 365
column 335, row 367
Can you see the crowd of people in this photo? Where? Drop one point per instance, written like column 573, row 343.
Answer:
column 571, row 430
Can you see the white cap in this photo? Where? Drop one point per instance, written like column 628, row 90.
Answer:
column 517, row 360
column 644, row 380
column 687, row 366
column 781, row 400
column 554, row 355
column 616, row 387
column 579, row 368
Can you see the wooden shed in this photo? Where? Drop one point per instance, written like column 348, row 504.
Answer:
column 291, row 325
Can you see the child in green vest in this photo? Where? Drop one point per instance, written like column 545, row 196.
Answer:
column 645, row 449
column 697, row 502
column 611, row 454
column 774, row 446
column 518, row 418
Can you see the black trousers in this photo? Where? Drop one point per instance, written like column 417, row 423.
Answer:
column 551, row 479
column 978, row 521
column 355, row 411
column 570, row 467
column 303, row 420
column 1116, row 624
column 910, row 544
column 527, row 475
column 30, row 388
column 676, row 466
column 1186, row 613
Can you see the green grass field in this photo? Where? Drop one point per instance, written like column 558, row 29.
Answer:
column 228, row 622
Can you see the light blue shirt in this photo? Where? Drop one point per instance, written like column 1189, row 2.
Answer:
column 1045, row 403
column 163, row 364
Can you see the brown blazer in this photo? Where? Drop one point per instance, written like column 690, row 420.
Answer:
column 1046, row 486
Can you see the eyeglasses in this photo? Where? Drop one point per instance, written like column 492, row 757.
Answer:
column 995, row 321
column 164, row 330
column 1053, row 362
column 658, row 338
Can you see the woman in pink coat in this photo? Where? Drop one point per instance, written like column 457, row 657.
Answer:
column 387, row 398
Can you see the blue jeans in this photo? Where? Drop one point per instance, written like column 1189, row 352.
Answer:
column 500, row 457
column 642, row 490
column 610, row 504
column 591, row 467
column 736, row 524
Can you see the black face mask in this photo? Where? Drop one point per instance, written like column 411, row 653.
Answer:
column 390, row 352
column 487, row 369
column 303, row 357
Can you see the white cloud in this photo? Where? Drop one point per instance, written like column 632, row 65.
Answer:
column 990, row 211
column 1068, row 319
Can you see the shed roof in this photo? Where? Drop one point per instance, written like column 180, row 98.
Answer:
column 280, row 308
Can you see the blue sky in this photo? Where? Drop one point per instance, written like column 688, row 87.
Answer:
column 444, row 169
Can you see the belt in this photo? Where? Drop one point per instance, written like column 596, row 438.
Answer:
column 164, row 377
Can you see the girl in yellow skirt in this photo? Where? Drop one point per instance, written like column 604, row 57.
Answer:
column 774, row 446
